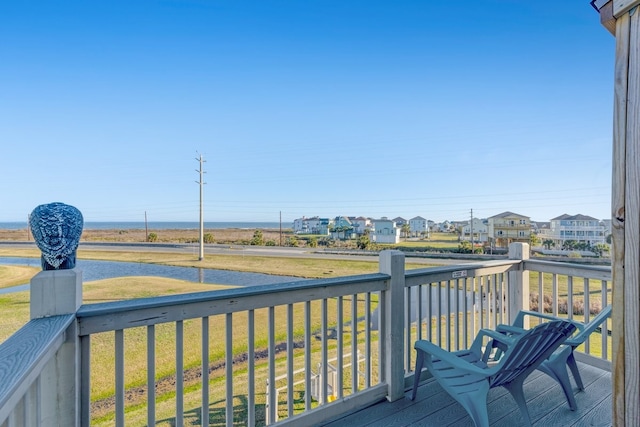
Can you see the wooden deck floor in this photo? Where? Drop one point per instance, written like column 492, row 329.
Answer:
column 545, row 400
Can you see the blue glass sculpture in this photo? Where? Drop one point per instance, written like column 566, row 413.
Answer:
column 56, row 228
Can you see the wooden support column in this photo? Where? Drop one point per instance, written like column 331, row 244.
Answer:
column 625, row 205
column 55, row 292
column 392, row 263
column 518, row 288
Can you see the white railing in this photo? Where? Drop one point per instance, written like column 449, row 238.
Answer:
column 256, row 355
column 23, row 359
column 577, row 292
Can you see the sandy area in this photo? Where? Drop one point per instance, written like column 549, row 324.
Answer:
column 226, row 235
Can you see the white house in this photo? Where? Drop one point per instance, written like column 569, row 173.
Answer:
column 508, row 227
column 385, row 231
column 418, row 227
column 578, row 228
column 361, row 225
column 399, row 221
column 314, row 225
column 480, row 229
column 445, row 226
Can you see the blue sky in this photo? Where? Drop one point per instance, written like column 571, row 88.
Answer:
column 372, row 108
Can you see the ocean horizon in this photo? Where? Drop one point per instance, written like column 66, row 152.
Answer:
column 162, row 225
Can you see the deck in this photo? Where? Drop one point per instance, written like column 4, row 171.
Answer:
column 547, row 406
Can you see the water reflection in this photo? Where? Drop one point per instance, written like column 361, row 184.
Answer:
column 98, row 270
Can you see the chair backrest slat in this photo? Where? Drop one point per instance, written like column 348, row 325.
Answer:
column 531, row 349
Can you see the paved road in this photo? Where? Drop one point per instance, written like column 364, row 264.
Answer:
column 248, row 250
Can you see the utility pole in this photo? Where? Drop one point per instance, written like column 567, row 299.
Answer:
column 201, row 183
column 280, row 228
column 471, row 223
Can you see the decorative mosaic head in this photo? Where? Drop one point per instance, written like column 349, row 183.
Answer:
column 56, row 228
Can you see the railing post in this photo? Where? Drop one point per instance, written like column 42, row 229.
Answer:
column 518, row 289
column 392, row 263
column 55, row 292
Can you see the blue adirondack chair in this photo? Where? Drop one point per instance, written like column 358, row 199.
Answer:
column 467, row 377
column 556, row 365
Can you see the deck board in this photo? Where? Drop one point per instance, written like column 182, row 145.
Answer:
column 545, row 400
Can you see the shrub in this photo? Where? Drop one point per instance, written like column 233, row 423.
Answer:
column 258, row 238
column 208, row 238
column 152, row 237
column 465, row 247
column 578, row 305
column 363, row 242
column 291, row 241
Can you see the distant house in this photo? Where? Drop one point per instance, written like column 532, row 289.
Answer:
column 508, row 227
column 479, row 228
column 361, row 225
column 543, row 230
column 418, row 227
column 578, row 228
column 444, row 226
column 314, row 225
column 399, row 221
column 385, row 231
column 342, row 228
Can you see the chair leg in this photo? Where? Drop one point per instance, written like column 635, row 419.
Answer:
column 558, row 371
column 571, row 361
column 417, row 372
column 517, row 391
column 477, row 409
column 556, row 367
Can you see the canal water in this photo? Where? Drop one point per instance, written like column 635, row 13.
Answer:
column 98, row 270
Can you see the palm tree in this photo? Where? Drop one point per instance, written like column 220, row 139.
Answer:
column 405, row 229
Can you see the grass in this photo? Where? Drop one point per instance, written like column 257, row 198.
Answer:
column 295, row 267
column 436, row 241
column 15, row 306
column 14, row 313
column 12, row 275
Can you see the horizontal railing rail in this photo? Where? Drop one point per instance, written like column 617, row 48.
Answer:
column 23, row 358
column 110, row 316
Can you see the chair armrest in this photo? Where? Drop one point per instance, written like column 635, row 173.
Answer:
column 448, row 358
column 520, row 317
column 508, row 329
column 505, row 339
column 498, row 340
